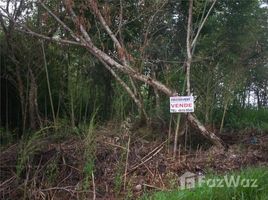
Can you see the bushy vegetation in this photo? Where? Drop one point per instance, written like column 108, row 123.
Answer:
column 248, row 118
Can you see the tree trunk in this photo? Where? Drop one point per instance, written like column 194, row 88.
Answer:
column 35, row 121
column 21, row 95
column 209, row 135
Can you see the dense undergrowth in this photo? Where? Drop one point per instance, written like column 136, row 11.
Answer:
column 56, row 159
column 240, row 119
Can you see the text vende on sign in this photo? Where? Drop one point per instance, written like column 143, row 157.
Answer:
column 181, row 104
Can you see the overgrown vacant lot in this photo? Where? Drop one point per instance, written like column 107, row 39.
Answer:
column 126, row 99
column 54, row 166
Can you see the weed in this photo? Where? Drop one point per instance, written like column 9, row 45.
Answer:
column 29, row 145
column 52, row 171
column 89, row 153
column 118, row 181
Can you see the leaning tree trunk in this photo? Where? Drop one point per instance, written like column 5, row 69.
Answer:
column 83, row 39
column 126, row 69
column 209, row 135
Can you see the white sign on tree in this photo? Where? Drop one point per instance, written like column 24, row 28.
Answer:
column 181, row 104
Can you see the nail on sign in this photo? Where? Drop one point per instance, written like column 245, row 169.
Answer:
column 181, row 104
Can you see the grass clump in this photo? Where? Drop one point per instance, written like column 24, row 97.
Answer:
column 89, row 153
column 29, row 145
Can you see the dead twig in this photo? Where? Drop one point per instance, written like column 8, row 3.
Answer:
column 94, row 186
column 148, row 169
column 126, row 165
column 115, row 145
column 142, row 162
column 6, row 182
column 67, row 189
column 155, row 149
column 154, row 187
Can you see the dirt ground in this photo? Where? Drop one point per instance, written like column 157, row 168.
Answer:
column 56, row 170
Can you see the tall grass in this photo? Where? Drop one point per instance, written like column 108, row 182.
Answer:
column 121, row 105
column 30, row 144
column 89, row 152
column 204, row 192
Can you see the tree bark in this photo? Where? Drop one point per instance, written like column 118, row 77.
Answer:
column 35, row 120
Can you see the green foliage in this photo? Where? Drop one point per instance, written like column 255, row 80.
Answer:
column 89, row 153
column 29, row 145
column 237, row 118
column 121, row 104
column 222, row 193
column 118, row 180
column 52, row 171
column 231, row 39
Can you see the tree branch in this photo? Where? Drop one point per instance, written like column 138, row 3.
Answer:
column 127, row 88
column 188, row 46
column 121, row 51
column 202, row 24
column 52, row 39
column 60, row 22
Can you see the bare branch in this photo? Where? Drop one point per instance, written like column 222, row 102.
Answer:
column 202, row 24
column 17, row 11
column 127, row 88
column 120, row 22
column 96, row 11
column 60, row 22
column 82, row 29
column 25, row 29
column 192, row 118
column 188, row 43
column 52, row 39
column 146, row 40
column 3, row 24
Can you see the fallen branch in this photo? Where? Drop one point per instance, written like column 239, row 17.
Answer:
column 6, row 182
column 126, row 165
column 94, row 186
column 143, row 162
column 154, row 187
column 156, row 148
